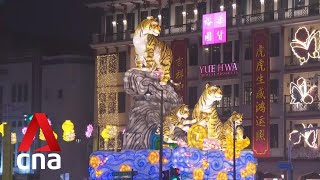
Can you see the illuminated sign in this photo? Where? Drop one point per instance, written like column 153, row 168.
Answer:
column 214, row 28
column 306, row 135
column 218, row 70
column 300, row 92
column 305, row 45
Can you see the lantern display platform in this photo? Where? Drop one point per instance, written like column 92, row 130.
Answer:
column 193, row 164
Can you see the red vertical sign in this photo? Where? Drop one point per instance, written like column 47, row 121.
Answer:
column 260, row 93
column 179, row 66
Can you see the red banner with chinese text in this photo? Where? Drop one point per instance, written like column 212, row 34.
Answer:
column 260, row 93
column 179, row 66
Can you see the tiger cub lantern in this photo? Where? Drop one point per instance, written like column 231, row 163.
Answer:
column 176, row 118
column 152, row 54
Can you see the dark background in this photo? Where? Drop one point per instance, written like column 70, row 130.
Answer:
column 54, row 26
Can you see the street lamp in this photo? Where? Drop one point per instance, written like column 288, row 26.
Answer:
column 147, row 95
column 235, row 127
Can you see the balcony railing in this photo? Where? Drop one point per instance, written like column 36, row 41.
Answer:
column 291, row 61
column 314, row 107
column 239, row 20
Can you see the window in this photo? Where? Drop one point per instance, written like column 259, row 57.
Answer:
column 248, row 52
column 227, row 52
column 14, row 93
column 216, row 54
column 283, row 4
column 247, row 131
column 299, row 4
column 193, row 55
column 121, row 102
column 274, row 143
column 274, row 90
column 236, row 50
column 216, row 8
column 154, row 13
column 179, row 17
column 120, row 26
column 236, row 94
column 109, row 26
column 243, row 7
column 193, row 97
column 256, row 6
column 190, row 13
column 202, row 8
column 20, row 93
column 165, row 19
column 122, row 62
column 14, row 124
column 275, row 46
column 226, row 98
column 25, row 92
column 247, row 92
column 130, row 21
column 144, row 15
column 60, row 94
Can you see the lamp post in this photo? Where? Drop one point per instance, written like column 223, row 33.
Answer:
column 147, row 96
column 234, row 148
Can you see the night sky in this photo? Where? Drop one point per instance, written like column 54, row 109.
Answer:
column 56, row 26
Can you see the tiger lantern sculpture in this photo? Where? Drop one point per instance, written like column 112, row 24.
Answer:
column 176, row 118
column 151, row 53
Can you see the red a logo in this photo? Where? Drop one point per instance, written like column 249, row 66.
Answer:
column 39, row 120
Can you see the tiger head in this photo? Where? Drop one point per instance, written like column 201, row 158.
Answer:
column 214, row 92
column 150, row 26
column 183, row 112
column 236, row 118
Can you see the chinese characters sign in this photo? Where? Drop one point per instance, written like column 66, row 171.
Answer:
column 179, row 66
column 218, row 70
column 214, row 28
column 260, row 94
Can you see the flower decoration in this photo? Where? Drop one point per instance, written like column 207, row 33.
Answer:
column 305, row 45
column 198, row 174
column 251, row 168
column 181, row 143
column 124, row 168
column 13, row 138
column 153, row 157
column 68, row 131
column 222, row 175
column 98, row 173
column 89, row 131
column 209, row 144
column 42, row 138
column 109, row 132
column 94, row 161
column 24, row 130
column 205, row 164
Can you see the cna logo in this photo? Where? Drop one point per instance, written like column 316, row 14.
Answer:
column 39, row 120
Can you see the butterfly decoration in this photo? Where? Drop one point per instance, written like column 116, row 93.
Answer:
column 305, row 45
column 300, row 93
column 306, row 135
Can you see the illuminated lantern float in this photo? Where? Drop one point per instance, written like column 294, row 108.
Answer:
column 201, row 147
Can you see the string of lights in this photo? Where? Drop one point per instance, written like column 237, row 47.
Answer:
column 107, row 67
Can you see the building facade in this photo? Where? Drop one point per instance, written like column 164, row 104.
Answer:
column 29, row 84
column 182, row 20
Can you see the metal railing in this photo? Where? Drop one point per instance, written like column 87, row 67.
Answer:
column 291, row 61
column 238, row 20
column 313, row 107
